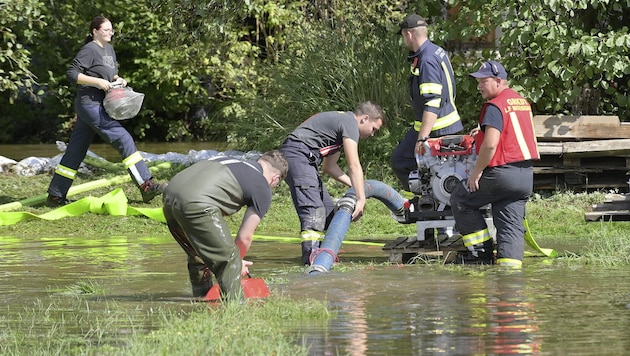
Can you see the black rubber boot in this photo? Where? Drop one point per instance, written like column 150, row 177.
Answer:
column 307, row 249
column 482, row 254
column 56, row 202
column 200, row 279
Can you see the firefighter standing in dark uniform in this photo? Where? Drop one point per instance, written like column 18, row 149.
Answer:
column 432, row 92
column 503, row 174
column 94, row 69
column 195, row 202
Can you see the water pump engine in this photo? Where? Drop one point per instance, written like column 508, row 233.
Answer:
column 446, row 162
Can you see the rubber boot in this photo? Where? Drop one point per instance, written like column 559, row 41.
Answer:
column 310, row 241
column 307, row 249
column 480, row 254
column 200, row 279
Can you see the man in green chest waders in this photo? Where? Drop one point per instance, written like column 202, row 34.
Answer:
column 197, row 199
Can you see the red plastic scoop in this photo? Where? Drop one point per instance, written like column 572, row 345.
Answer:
column 253, row 288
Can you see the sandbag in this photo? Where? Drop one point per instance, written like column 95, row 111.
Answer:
column 122, row 103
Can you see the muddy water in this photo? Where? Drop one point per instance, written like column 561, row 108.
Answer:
column 546, row 309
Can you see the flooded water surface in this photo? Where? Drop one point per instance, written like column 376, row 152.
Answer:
column 546, row 309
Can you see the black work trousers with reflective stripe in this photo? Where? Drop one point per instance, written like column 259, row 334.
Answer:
column 313, row 204
column 93, row 120
column 507, row 188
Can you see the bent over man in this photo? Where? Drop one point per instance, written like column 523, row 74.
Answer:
column 503, row 174
column 197, row 199
column 318, row 141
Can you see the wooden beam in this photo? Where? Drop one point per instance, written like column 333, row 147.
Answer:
column 556, row 127
column 617, row 147
column 550, row 148
column 607, row 216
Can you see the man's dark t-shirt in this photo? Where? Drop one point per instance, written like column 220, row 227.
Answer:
column 223, row 182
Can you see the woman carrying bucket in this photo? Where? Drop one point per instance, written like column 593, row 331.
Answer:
column 95, row 70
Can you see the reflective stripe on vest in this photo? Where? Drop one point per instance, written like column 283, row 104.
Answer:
column 520, row 138
column 448, row 119
column 517, row 127
column 66, row 172
column 476, row 238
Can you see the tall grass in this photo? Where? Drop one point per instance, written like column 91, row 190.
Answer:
column 248, row 329
column 72, row 325
column 328, row 69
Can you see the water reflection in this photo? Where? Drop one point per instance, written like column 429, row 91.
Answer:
column 431, row 310
column 546, row 309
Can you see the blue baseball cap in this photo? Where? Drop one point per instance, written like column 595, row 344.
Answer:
column 490, row 69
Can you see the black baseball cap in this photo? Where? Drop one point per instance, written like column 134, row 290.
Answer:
column 412, row 21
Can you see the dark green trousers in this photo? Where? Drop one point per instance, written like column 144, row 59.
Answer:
column 204, row 233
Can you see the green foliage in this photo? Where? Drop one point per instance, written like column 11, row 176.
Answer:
column 567, row 57
column 348, row 57
column 249, row 71
column 20, row 23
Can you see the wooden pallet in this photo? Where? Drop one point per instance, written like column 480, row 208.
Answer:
column 616, row 207
column 582, row 153
column 408, row 249
column 583, row 127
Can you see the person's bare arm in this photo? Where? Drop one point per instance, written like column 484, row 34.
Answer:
column 486, row 152
column 331, row 167
column 245, row 235
column 355, row 172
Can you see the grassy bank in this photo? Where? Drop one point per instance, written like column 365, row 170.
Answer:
column 253, row 328
column 76, row 323
column 551, row 216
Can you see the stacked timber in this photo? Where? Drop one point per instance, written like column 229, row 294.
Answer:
column 616, row 207
column 582, row 153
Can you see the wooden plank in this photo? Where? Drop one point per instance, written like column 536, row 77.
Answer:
column 550, row 148
column 607, row 216
column 616, row 147
column 604, row 180
column 611, row 206
column 398, row 243
column 557, row 127
column 581, row 120
column 613, row 202
column 561, row 170
column 614, row 197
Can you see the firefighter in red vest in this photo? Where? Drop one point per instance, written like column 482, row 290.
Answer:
column 503, row 175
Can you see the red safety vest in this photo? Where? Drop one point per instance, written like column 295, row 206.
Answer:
column 518, row 140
